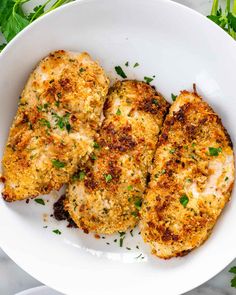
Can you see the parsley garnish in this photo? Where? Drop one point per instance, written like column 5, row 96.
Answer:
column 81, row 70
column 63, row 122
column 45, row 122
column 184, row 200
column 233, row 281
column 138, row 203
column 57, row 231
column 96, row 145
column 129, row 187
column 226, row 178
column 120, row 72
column 39, row 201
column 155, row 101
column 93, row 157
column 173, row 97
column 127, row 64
column 136, row 64
column 108, row 177
column 172, row 151
column 58, row 164
column 226, row 19
column 135, row 214
column 214, row 151
column 80, row 175
column 118, row 112
column 13, row 17
column 148, row 79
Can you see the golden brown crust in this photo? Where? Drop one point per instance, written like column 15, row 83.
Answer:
column 191, row 178
column 109, row 197
column 58, row 114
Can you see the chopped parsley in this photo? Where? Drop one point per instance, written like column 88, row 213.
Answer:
column 233, row 281
column 108, row 177
column 155, row 101
column 81, row 70
column 129, row 187
column 138, row 203
column 120, row 72
column 63, row 122
column 59, row 94
column 131, row 232
column 214, row 151
column 136, row 64
column 184, row 200
column 39, row 201
column 173, row 97
column 58, row 164
column 162, row 172
column 80, row 175
column 93, row 157
column 233, row 270
column 127, row 64
column 96, row 145
column 148, row 79
column 122, row 237
column 57, row 231
column 172, row 151
column 189, row 180
column 118, row 112
column 135, row 214
column 45, row 122
column 226, row 178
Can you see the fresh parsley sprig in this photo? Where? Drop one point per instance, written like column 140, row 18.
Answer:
column 13, row 19
column 226, row 18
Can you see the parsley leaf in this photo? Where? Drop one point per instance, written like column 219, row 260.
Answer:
column 214, row 151
column 120, row 72
column 118, row 112
column 136, row 64
column 39, row 201
column 57, row 231
column 108, row 177
column 233, row 270
column 148, row 79
column 184, row 200
column 58, row 164
column 138, row 203
column 173, row 97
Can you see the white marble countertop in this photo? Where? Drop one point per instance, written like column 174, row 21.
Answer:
column 13, row 279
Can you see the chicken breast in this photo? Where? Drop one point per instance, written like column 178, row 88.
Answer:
column 108, row 194
column 57, row 118
column 191, row 179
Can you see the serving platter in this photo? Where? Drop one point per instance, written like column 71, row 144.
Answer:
column 179, row 47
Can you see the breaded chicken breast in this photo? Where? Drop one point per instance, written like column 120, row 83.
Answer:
column 57, row 118
column 107, row 194
column 191, row 179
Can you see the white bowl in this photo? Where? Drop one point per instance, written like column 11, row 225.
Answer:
column 179, row 47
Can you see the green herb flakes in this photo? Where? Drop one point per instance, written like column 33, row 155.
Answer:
column 214, row 151
column 58, row 164
column 107, row 177
column 118, row 112
column 120, row 72
column 173, row 97
column 96, row 145
column 184, row 200
column 148, row 80
column 127, row 64
column 155, row 101
column 129, row 187
column 39, row 201
column 57, row 231
column 138, row 203
column 136, row 65
column 172, row 151
column 45, row 122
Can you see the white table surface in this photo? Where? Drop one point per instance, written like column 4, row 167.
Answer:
column 13, row 279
